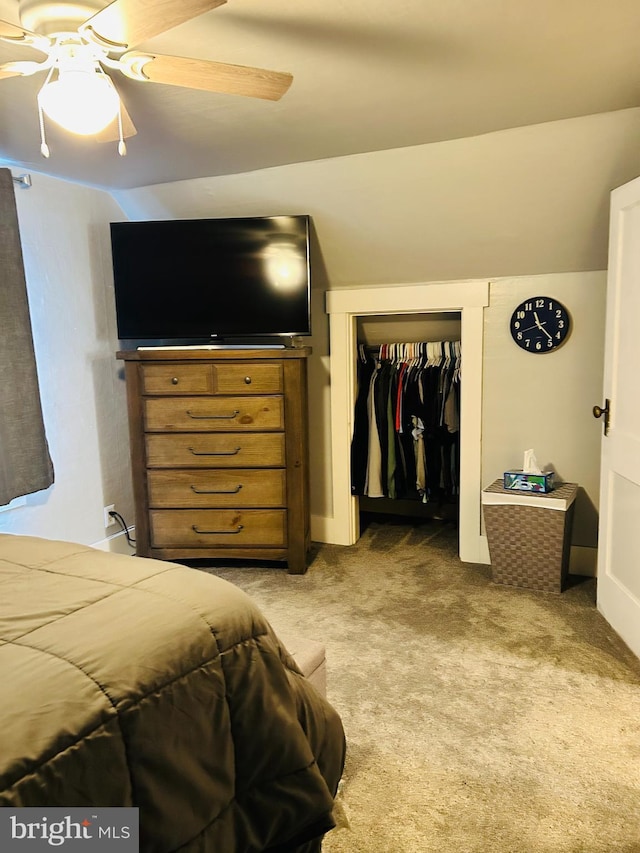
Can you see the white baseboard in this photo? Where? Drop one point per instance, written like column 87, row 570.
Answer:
column 483, row 551
column 117, row 543
column 327, row 530
column 583, row 561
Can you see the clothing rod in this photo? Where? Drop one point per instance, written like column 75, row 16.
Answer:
column 399, row 349
column 375, row 347
column 23, row 180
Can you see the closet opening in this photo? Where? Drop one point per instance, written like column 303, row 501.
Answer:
column 346, row 307
column 405, row 450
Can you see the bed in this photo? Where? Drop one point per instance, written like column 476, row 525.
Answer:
column 135, row 682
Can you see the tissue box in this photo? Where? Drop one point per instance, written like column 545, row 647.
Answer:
column 520, row 482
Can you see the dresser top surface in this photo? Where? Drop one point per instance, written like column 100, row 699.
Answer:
column 212, row 354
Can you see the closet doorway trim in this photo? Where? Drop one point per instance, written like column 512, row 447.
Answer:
column 344, row 306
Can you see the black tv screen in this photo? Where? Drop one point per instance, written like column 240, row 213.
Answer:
column 206, row 279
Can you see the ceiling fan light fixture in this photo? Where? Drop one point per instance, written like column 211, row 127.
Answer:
column 80, row 38
column 82, row 101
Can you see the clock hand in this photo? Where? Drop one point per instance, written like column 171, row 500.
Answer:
column 541, row 325
column 528, row 329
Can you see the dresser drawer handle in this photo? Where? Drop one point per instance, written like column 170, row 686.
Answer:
column 217, row 532
column 236, row 412
column 215, row 452
column 175, row 380
column 216, row 491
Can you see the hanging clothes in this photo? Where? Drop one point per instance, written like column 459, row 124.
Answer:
column 407, row 421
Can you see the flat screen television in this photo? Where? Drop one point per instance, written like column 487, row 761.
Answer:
column 208, row 280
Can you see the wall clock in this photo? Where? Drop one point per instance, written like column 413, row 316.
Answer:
column 540, row 324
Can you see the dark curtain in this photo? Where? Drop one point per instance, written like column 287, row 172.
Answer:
column 25, row 464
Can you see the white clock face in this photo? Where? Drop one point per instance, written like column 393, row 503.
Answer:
column 540, row 324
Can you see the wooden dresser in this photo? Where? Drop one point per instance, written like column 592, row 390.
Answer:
column 219, row 453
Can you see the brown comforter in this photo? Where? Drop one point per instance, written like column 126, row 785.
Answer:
column 133, row 682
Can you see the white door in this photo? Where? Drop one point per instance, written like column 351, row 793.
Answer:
column 619, row 532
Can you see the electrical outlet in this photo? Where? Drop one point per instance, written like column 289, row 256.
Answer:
column 109, row 520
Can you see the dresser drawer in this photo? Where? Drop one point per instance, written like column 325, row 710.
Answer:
column 238, row 487
column 201, row 528
column 247, row 378
column 177, row 379
column 220, row 450
column 234, row 378
column 162, row 414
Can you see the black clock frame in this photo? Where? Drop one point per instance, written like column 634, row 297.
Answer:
column 540, row 324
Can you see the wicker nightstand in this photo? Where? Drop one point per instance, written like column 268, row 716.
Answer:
column 529, row 535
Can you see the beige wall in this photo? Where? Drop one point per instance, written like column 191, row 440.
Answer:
column 517, row 202
column 65, row 242
column 504, row 206
column 544, row 402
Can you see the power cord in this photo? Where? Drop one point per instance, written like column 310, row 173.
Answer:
column 123, row 525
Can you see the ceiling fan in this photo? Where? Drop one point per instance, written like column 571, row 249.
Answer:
column 82, row 38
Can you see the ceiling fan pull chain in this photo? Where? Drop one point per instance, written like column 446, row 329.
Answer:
column 44, row 148
column 122, row 148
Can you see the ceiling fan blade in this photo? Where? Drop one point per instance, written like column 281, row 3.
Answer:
column 22, row 69
column 111, row 133
column 207, row 75
column 13, row 32
column 7, row 72
column 18, row 35
column 127, row 23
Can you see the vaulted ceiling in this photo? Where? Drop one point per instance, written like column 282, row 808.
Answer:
column 368, row 75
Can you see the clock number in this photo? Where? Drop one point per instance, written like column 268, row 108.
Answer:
column 519, row 336
column 539, row 303
column 558, row 312
column 521, row 315
column 538, row 345
column 516, row 325
column 550, row 343
column 528, row 306
column 528, row 341
column 561, row 324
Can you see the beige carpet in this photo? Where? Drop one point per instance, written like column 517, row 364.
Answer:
column 479, row 718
